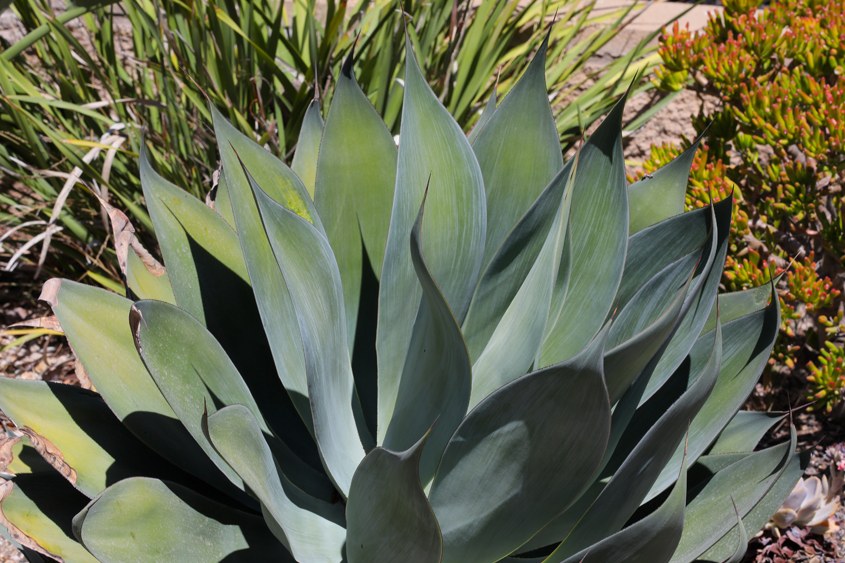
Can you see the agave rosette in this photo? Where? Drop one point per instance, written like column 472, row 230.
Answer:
column 461, row 349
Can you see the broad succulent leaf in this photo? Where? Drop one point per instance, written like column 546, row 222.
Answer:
column 310, row 528
column 145, row 284
column 96, row 323
column 710, row 514
column 201, row 377
column 434, row 391
column 748, row 343
column 763, row 510
column 74, row 419
column 489, row 110
column 744, row 431
column 210, row 281
column 517, row 337
column 355, row 179
column 650, row 540
column 311, row 274
column 36, row 510
column 660, row 195
column 599, row 239
column 308, row 147
column 500, row 480
column 139, row 520
column 505, row 274
column 271, row 294
column 433, row 152
column 388, row 515
column 620, row 498
column 518, row 150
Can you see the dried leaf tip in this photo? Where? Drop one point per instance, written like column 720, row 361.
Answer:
column 50, row 291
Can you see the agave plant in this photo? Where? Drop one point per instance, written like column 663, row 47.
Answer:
column 460, row 350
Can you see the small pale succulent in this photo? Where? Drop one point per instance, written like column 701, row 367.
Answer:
column 814, row 502
column 461, row 349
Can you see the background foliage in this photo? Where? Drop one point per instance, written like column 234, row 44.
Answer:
column 73, row 107
column 775, row 137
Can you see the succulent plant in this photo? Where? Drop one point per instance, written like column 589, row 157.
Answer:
column 813, row 502
column 458, row 351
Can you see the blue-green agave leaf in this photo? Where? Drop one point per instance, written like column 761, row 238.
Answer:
column 210, row 281
column 97, row 327
column 660, row 195
column 144, row 283
column 514, row 344
column 650, row 540
column 433, row 149
column 36, row 510
column 506, row 273
column 389, row 517
column 271, row 293
column 308, row 147
column 312, row 530
column 518, row 151
column 195, row 375
column 489, row 109
column 435, row 387
column 312, row 277
column 763, row 510
column 501, row 478
column 623, row 494
column 710, row 513
column 744, row 431
column 140, row 520
column 356, row 173
column 598, row 232
column 748, row 343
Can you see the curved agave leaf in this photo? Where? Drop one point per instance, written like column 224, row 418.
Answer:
column 195, row 375
column 74, row 430
column 140, row 520
column 222, row 203
column 312, row 277
column 514, row 344
column 644, row 325
column 36, row 511
column 311, row 529
column 505, row 274
column 660, row 195
column 597, row 519
column 435, row 387
column 700, row 301
column 710, row 514
column 744, row 431
column 598, row 230
column 143, row 283
column 308, row 147
column 489, row 109
column 742, row 545
column 271, row 294
column 356, row 173
column 210, row 281
column 763, row 510
column 652, row 249
column 650, row 540
column 389, row 517
column 95, row 322
column 518, row 151
column 740, row 303
column 432, row 147
column 500, row 479
column 748, row 343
